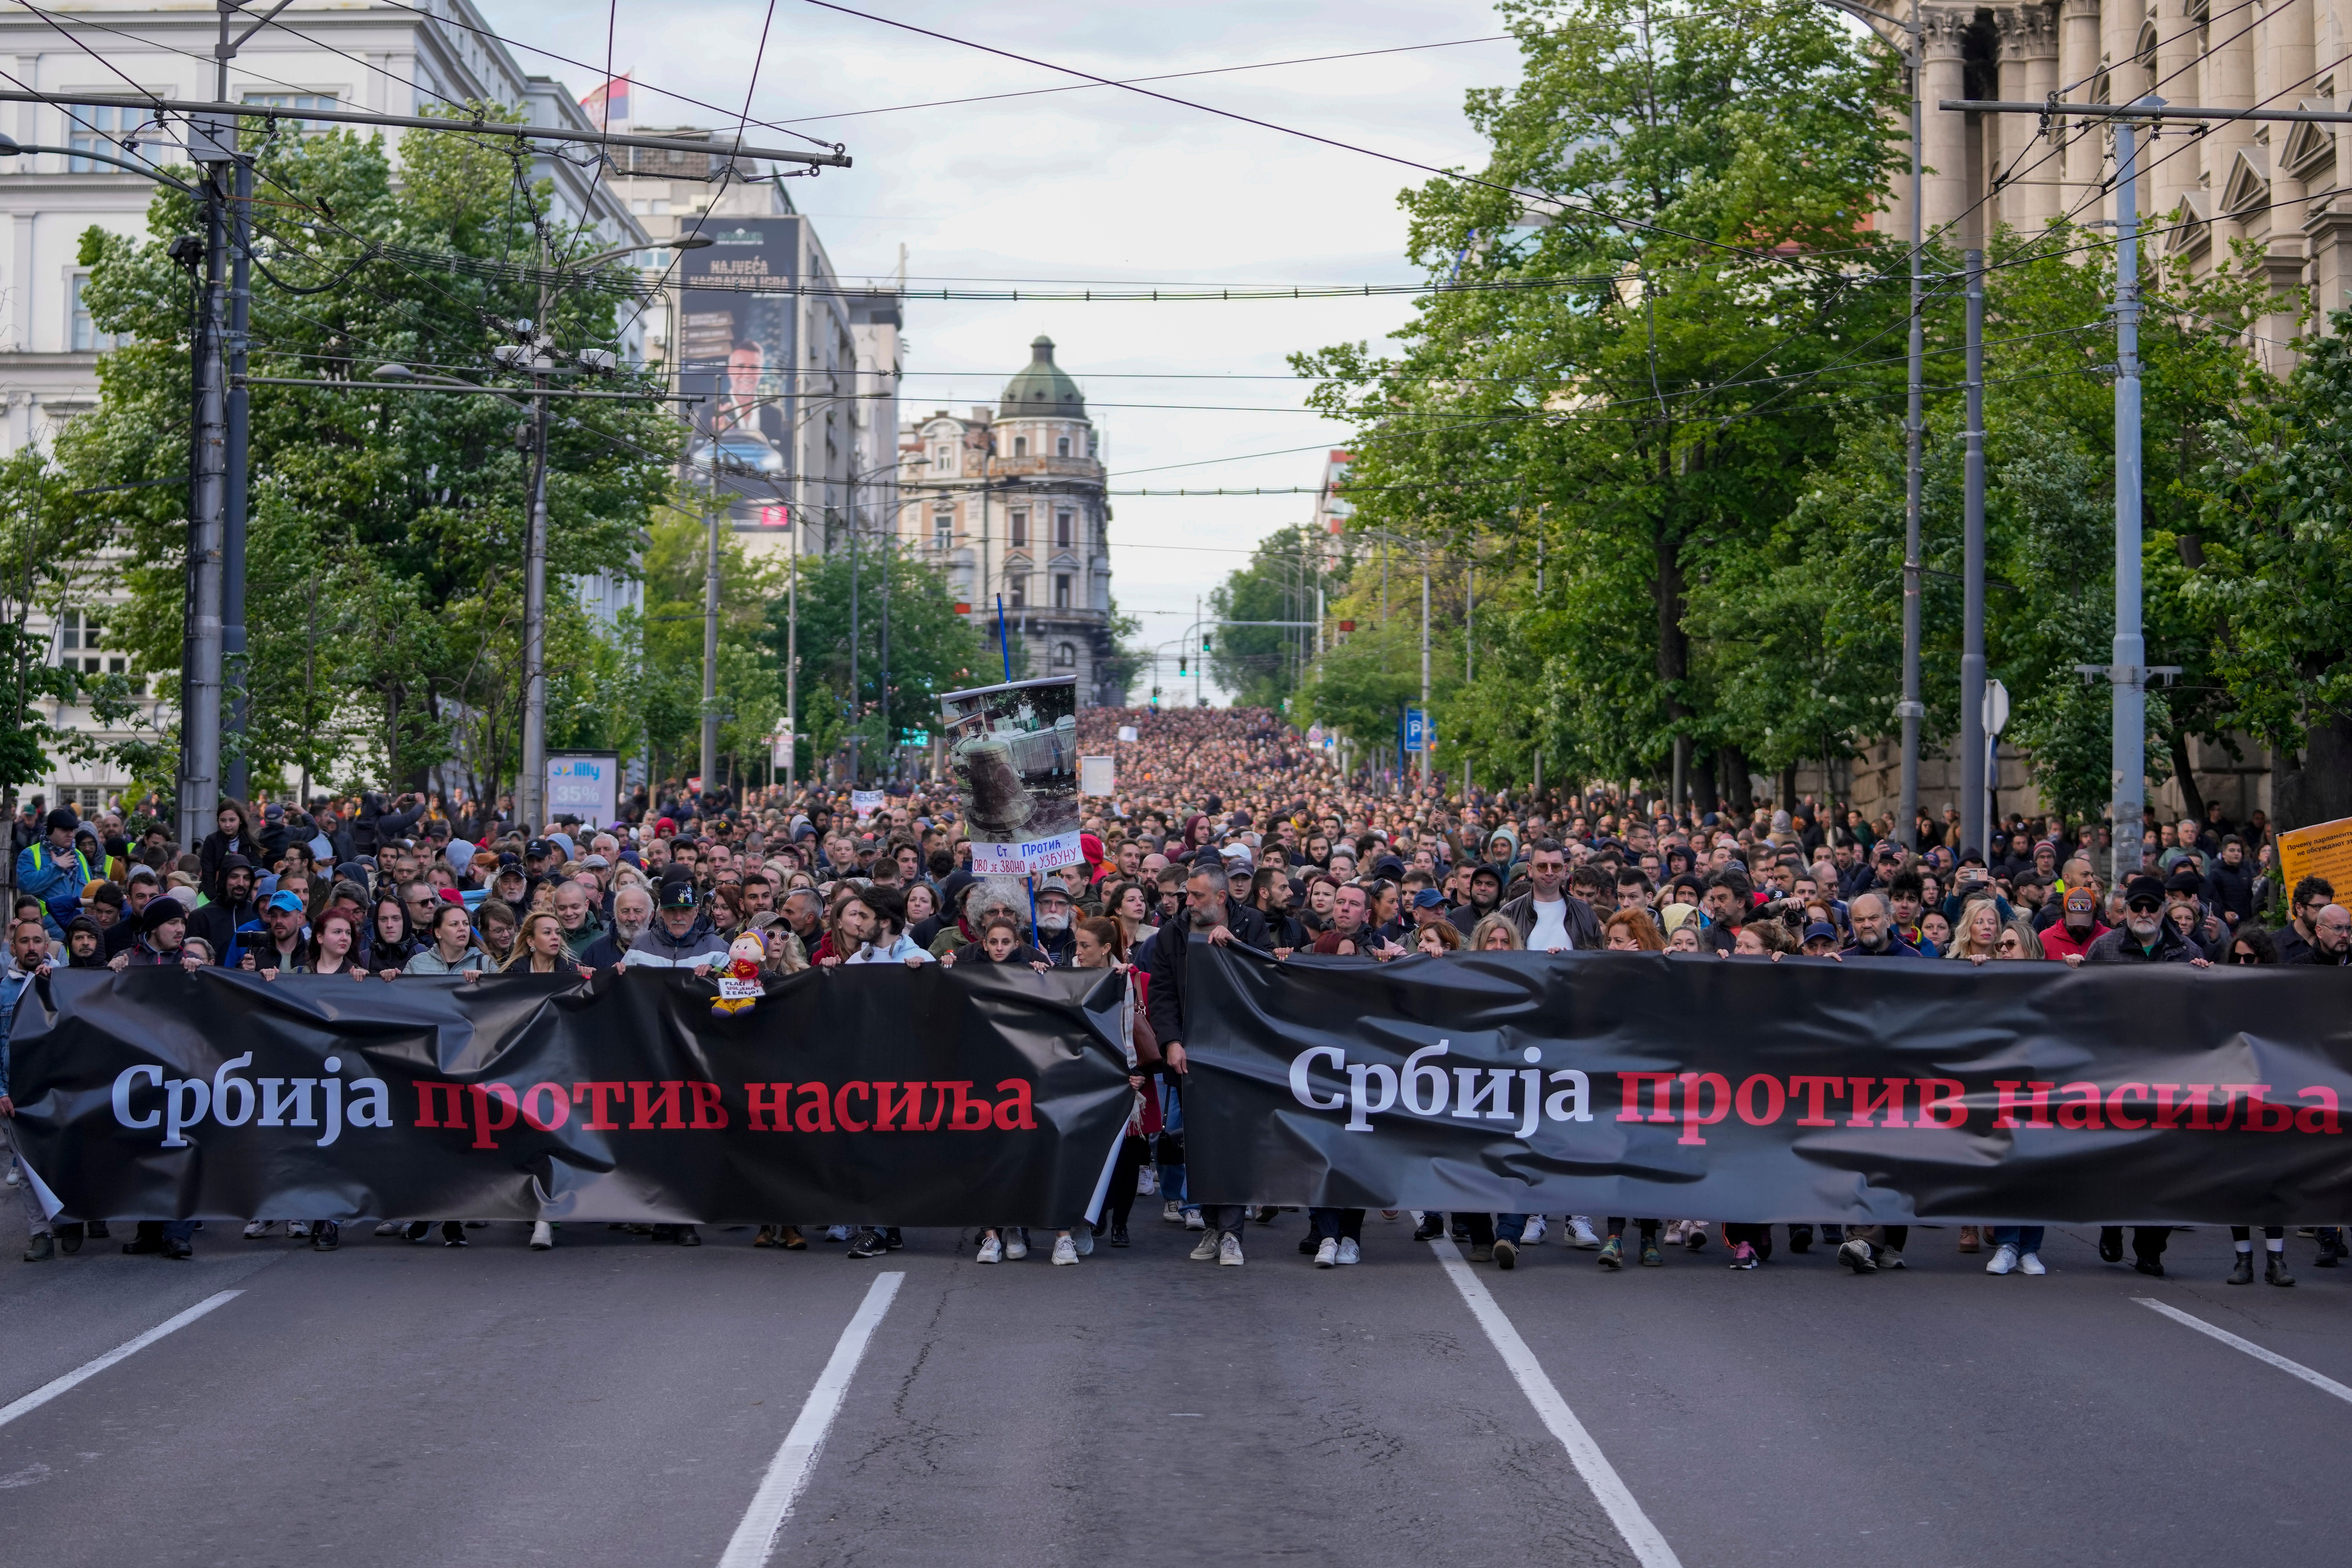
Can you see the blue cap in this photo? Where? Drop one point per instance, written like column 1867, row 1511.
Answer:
column 1821, row 930
column 1429, row 898
column 285, row 901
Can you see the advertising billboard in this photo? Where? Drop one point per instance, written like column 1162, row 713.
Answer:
column 584, row 784
column 736, row 351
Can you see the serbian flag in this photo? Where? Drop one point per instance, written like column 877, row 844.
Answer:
column 609, row 104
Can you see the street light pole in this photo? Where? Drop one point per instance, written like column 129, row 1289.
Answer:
column 1424, row 667
column 2128, row 673
column 711, row 631
column 200, row 680
column 234, row 675
column 531, row 788
column 1972, row 578
column 1911, row 710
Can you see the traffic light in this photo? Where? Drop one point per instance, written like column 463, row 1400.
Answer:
column 1204, row 641
column 1182, row 668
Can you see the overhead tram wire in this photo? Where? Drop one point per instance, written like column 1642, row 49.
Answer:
column 1748, row 253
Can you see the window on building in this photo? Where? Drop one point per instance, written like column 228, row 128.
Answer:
column 1020, row 527
column 82, row 335
column 1020, row 446
column 1066, row 655
column 943, row 529
column 940, row 458
column 1062, row 447
column 1062, row 530
column 294, row 101
column 80, row 639
column 1061, row 590
column 1016, row 590
column 97, row 128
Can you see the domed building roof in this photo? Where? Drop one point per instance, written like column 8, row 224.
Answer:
column 1041, row 389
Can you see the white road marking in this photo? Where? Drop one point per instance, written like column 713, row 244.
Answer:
column 2325, row 1384
column 1649, row 1547
column 788, row 1472
column 89, row 1369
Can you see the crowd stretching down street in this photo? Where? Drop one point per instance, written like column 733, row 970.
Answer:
column 1228, row 823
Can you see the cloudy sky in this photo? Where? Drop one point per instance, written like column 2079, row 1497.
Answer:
column 1099, row 184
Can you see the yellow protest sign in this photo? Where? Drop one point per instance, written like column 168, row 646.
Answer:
column 2323, row 850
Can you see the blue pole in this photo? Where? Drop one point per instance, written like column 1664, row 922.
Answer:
column 1003, row 646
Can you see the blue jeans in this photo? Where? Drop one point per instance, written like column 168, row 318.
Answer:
column 1510, row 1227
column 2024, row 1238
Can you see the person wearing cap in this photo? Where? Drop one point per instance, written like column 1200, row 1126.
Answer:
column 163, row 926
column 279, row 942
column 51, row 870
column 2077, row 927
column 1820, row 940
column 2147, row 938
column 682, row 937
column 1057, row 936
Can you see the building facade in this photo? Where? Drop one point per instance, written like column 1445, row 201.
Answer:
column 2203, row 185
column 1009, row 501
column 366, row 55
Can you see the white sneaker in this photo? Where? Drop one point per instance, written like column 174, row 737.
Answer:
column 992, row 1250
column 259, row 1229
column 1534, row 1234
column 1016, row 1244
column 1229, row 1251
column 16, row 1176
column 542, row 1235
column 1206, row 1248
column 1172, row 1212
column 1673, row 1236
column 299, row 1227
column 2003, row 1260
column 1065, row 1250
column 2030, row 1264
column 1147, row 1183
column 836, row 1233
column 1580, row 1235
column 1349, row 1252
column 1083, row 1238
column 1328, row 1253
column 1192, row 1220
column 389, row 1227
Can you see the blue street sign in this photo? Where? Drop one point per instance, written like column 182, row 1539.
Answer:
column 1417, row 735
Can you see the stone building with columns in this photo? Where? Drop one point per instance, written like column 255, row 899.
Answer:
column 1010, row 501
column 2276, row 184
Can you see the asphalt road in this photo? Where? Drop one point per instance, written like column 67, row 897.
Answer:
column 620, row 1402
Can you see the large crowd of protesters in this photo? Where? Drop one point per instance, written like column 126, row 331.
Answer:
column 1228, row 823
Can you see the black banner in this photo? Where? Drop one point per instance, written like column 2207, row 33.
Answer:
column 1704, row 1087
column 874, row 1094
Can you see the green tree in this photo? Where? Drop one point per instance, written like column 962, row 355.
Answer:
column 397, row 518
column 1260, row 664
column 931, row 648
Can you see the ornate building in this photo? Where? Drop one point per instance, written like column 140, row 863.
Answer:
column 1009, row 501
column 2276, row 184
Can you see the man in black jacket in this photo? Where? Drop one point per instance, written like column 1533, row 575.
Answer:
column 1209, row 912
column 1549, row 918
column 2230, row 885
column 219, row 921
column 2147, row 938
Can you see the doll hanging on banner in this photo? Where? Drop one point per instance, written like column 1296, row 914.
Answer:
column 738, row 982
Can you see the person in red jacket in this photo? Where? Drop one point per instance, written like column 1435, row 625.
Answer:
column 2077, row 927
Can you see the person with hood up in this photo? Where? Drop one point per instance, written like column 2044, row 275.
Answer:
column 233, row 907
column 1485, row 897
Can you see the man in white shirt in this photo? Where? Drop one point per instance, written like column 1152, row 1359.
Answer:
column 1550, row 920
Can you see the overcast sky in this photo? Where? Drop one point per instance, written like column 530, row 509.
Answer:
column 1100, row 185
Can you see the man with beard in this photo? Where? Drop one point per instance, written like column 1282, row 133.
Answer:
column 2147, row 937
column 1210, row 913
column 633, row 911
column 219, row 921
column 1485, row 897
column 1055, row 937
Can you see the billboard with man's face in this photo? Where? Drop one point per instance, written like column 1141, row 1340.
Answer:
column 736, row 351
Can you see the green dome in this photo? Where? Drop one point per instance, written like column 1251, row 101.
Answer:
column 1041, row 390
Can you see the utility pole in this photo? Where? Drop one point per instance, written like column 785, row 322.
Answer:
column 1197, row 659
column 793, row 644
column 530, row 789
column 711, row 632
column 1425, row 748
column 210, row 143
column 1911, row 710
column 1972, row 576
column 2127, row 669
column 234, row 673
column 853, row 715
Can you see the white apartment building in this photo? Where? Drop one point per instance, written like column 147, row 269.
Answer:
column 316, row 53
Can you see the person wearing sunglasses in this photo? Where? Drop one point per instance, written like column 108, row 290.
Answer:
column 2252, row 944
